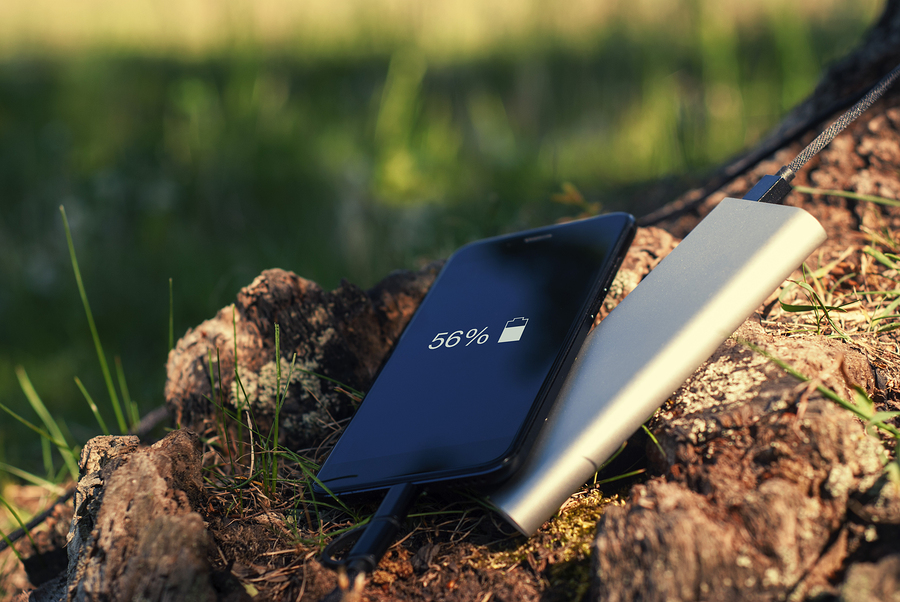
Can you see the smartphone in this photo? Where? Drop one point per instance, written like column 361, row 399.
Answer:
column 481, row 359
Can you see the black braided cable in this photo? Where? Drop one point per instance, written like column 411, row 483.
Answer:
column 787, row 172
column 743, row 164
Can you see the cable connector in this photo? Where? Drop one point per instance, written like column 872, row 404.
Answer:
column 371, row 541
column 772, row 189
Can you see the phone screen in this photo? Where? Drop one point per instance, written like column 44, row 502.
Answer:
column 472, row 369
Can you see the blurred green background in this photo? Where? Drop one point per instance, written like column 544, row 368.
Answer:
column 207, row 141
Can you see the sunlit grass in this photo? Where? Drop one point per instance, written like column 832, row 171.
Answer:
column 861, row 405
column 855, row 293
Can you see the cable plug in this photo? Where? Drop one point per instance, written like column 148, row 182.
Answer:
column 772, row 189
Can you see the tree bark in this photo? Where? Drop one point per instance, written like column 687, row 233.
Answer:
column 137, row 533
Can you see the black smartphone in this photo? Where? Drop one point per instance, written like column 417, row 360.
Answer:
column 479, row 362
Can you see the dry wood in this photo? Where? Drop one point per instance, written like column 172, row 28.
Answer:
column 137, row 534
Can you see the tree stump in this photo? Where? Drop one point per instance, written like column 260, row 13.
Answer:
column 764, row 489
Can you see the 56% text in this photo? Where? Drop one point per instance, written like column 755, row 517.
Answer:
column 452, row 339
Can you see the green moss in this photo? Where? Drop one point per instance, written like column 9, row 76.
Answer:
column 260, row 388
column 563, row 543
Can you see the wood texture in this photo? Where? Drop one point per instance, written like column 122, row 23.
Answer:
column 137, row 534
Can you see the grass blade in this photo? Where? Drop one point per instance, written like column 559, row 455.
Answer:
column 93, row 406
column 654, row 439
column 9, row 544
column 822, row 389
column 32, row 478
column 312, row 476
column 52, row 427
column 28, row 424
column 47, row 455
column 341, row 385
column 19, row 520
column 130, row 405
column 104, row 367
column 625, row 475
column 883, row 259
column 791, row 308
column 171, row 317
column 888, row 312
column 272, row 440
column 848, row 195
column 274, row 434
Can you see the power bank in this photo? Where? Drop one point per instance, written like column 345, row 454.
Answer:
column 652, row 341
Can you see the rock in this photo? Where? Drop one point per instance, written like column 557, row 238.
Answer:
column 99, row 459
column 755, row 502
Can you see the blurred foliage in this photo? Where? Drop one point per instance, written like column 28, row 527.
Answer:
column 444, row 30
column 207, row 142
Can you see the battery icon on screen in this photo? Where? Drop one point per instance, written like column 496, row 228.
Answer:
column 513, row 330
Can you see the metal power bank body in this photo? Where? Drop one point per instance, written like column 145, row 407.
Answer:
column 652, row 341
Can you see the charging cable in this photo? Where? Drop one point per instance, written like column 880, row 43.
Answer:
column 371, row 540
column 773, row 189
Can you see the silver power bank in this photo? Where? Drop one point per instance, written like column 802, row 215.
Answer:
column 652, row 342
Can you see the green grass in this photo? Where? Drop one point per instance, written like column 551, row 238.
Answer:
column 819, row 302
column 826, row 302
column 250, row 471
column 238, row 471
column 830, row 294
column 861, row 406
column 104, row 367
column 52, row 433
column 879, row 200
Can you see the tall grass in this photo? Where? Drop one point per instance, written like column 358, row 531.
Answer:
column 52, row 433
column 95, row 336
